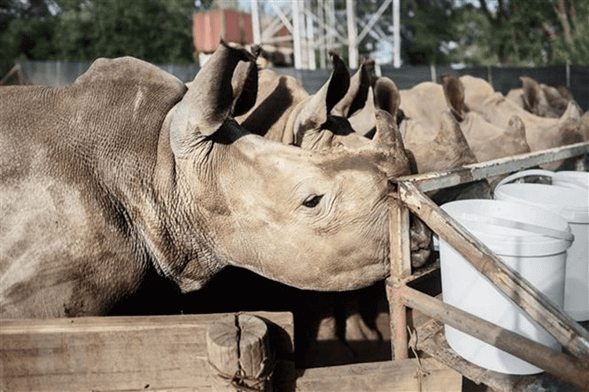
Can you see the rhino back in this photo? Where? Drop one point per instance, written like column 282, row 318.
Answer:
column 74, row 160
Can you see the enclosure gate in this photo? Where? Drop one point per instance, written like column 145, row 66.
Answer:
column 408, row 197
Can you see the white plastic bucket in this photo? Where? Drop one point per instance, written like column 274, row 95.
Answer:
column 531, row 243
column 572, row 203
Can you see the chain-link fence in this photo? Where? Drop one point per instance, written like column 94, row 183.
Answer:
column 575, row 77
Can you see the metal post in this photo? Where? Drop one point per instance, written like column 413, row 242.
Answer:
column 396, row 34
column 310, row 42
column 352, row 35
column 322, row 32
column 331, row 22
column 256, row 23
column 296, row 35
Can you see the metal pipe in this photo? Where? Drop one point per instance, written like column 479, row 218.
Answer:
column 352, row 35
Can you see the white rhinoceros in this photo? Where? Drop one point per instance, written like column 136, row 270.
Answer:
column 124, row 174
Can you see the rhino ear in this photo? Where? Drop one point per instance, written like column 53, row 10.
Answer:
column 245, row 84
column 355, row 98
column 209, row 100
column 319, row 106
column 454, row 94
column 387, row 96
column 314, row 111
column 531, row 95
column 363, row 121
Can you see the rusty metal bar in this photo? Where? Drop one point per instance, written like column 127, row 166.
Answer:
column 528, row 298
column 400, row 258
column 474, row 172
column 571, row 370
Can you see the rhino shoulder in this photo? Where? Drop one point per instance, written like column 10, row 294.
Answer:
column 120, row 72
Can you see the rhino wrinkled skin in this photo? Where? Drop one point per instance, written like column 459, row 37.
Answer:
column 125, row 173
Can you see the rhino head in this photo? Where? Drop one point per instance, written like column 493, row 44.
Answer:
column 308, row 219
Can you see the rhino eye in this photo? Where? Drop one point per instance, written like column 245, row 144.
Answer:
column 312, row 201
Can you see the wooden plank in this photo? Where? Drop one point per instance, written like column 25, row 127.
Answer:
column 381, row 376
column 564, row 366
column 400, row 259
column 432, row 342
column 474, row 172
column 528, row 298
column 116, row 353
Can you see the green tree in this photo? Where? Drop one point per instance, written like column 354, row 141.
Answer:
column 522, row 32
column 158, row 31
column 26, row 29
column 425, row 30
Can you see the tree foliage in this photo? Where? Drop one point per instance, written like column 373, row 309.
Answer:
column 158, row 31
column 483, row 32
column 521, row 32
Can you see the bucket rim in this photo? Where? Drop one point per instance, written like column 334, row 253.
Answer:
column 576, row 213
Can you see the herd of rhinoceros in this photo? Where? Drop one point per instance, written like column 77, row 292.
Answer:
column 127, row 190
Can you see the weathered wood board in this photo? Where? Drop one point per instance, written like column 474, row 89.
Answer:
column 432, row 341
column 117, row 353
column 381, row 376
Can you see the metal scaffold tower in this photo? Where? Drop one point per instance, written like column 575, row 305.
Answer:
column 313, row 29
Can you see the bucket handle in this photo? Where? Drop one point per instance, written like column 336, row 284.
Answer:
column 545, row 231
column 525, row 173
column 537, row 172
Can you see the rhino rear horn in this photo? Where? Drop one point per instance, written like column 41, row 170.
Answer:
column 209, row 100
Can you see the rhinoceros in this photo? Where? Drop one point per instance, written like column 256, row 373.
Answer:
column 335, row 117
column 431, row 134
column 126, row 173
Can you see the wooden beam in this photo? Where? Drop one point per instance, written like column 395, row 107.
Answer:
column 564, row 329
column 116, row 353
column 572, row 370
column 381, row 376
column 474, row 172
column 400, row 259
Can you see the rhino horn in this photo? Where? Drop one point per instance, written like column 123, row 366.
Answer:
column 209, row 100
column 388, row 138
column 245, row 84
column 355, row 98
column 516, row 127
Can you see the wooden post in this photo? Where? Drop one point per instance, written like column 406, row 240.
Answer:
column 239, row 354
column 569, row 369
column 400, row 259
